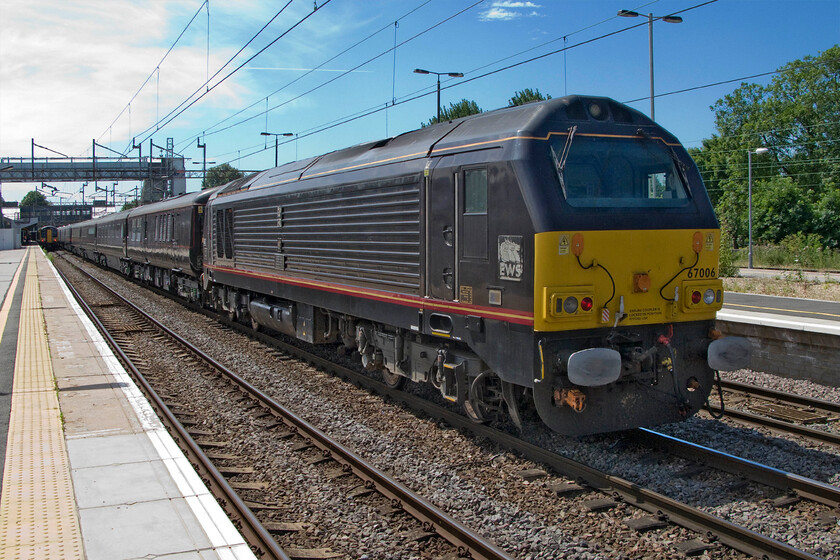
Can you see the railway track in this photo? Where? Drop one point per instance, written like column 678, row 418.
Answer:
column 618, row 490
column 127, row 320
column 778, row 411
column 793, row 485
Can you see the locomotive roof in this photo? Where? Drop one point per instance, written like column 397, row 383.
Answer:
column 532, row 120
column 181, row 201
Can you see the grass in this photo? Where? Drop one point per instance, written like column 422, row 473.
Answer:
column 793, row 253
column 787, row 284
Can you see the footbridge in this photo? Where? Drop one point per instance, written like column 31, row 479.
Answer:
column 166, row 174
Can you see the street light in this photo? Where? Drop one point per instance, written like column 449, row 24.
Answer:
column 276, row 136
column 439, row 74
column 757, row 151
column 666, row 19
column 203, row 159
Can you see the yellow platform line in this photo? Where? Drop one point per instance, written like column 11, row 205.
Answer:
column 38, row 516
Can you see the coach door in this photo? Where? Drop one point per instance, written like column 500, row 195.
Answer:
column 441, row 233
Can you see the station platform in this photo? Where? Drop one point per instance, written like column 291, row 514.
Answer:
column 797, row 314
column 88, row 470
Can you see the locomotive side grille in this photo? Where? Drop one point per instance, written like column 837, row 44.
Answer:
column 366, row 234
column 363, row 234
column 255, row 237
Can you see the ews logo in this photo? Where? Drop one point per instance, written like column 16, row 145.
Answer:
column 511, row 264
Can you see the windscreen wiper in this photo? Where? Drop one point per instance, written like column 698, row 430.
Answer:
column 560, row 162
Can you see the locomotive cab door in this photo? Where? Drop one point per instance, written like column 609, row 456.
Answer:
column 441, row 232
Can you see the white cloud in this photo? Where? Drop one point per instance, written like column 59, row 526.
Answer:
column 506, row 10
column 515, row 5
column 67, row 69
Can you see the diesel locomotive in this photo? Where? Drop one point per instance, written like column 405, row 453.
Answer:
column 557, row 258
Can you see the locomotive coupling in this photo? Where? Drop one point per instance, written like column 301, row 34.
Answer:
column 572, row 397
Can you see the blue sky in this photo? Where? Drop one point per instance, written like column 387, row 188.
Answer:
column 68, row 70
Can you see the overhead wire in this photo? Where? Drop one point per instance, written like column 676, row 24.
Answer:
column 210, row 130
column 354, row 68
column 157, row 67
column 413, row 97
column 169, row 117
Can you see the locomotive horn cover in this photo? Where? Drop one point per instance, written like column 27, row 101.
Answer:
column 730, row 353
column 594, row 367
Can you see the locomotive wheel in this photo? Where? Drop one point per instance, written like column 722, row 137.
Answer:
column 511, row 392
column 393, row 380
column 474, row 413
column 484, row 402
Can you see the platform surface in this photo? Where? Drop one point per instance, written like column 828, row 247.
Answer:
column 89, row 471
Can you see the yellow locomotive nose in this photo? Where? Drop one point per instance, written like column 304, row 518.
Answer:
column 624, row 277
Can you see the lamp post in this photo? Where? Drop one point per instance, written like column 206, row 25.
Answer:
column 666, row 19
column 203, row 160
column 276, row 136
column 757, row 151
column 439, row 74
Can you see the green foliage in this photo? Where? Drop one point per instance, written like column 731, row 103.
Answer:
column 34, row 198
column 827, row 218
column 780, row 209
column 806, row 249
column 463, row 108
column 726, row 265
column 219, row 175
column 796, row 186
column 527, row 95
column 129, row 205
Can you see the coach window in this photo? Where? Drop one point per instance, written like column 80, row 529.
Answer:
column 475, row 214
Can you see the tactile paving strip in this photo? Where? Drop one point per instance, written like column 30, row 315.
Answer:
column 38, row 517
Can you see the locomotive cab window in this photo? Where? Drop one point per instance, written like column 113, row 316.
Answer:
column 635, row 172
column 475, row 214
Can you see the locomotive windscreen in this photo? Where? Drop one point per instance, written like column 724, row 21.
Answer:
column 634, row 172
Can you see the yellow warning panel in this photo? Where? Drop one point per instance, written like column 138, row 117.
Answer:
column 563, row 245
column 38, row 517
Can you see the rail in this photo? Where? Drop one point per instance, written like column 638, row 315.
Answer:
column 468, row 543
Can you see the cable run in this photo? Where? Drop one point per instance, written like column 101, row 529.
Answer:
column 383, row 53
column 152, row 73
column 208, row 89
column 210, row 130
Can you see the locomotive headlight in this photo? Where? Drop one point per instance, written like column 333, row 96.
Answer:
column 702, row 297
column 569, row 303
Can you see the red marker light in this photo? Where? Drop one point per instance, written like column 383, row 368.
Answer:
column 696, row 297
column 586, row 304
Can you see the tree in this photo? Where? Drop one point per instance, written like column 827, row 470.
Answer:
column 463, row 108
column 527, row 95
column 219, row 175
column 129, row 205
column 795, row 186
column 34, row 198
